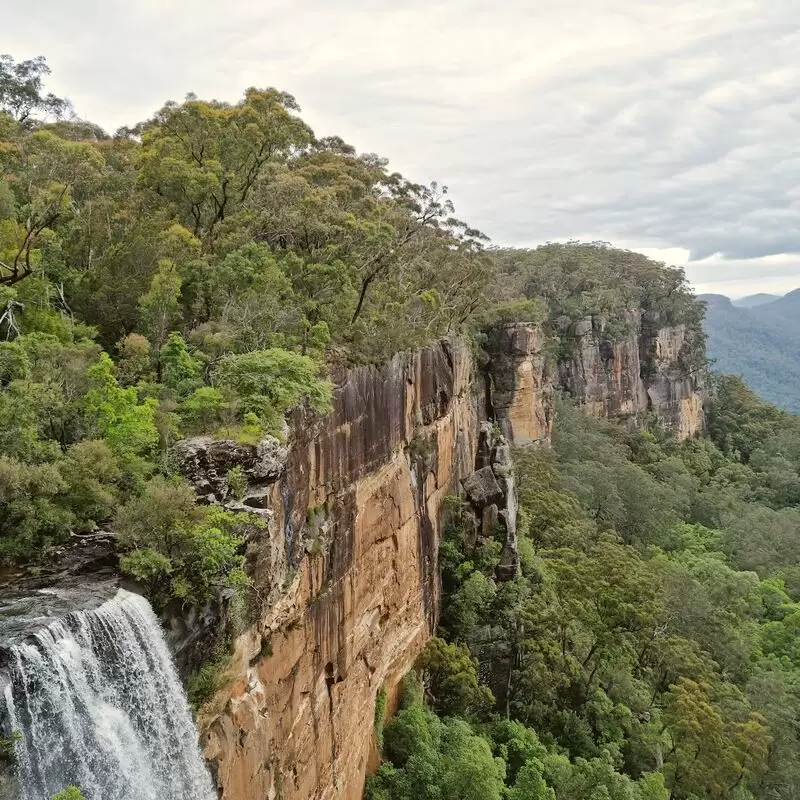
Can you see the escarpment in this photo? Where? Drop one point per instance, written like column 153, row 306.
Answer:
column 346, row 572
column 345, row 565
column 642, row 367
column 347, row 576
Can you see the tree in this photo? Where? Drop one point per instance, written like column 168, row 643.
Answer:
column 737, row 420
column 205, row 158
column 181, row 372
column 49, row 177
column 159, row 306
column 708, row 754
column 21, row 89
column 116, row 415
column 255, row 300
column 452, row 680
column 530, row 784
column 179, row 549
column 203, row 409
column 430, row 759
column 270, row 382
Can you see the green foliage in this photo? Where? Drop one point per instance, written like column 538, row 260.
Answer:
column 207, row 680
column 21, row 89
column 269, row 383
column 180, row 372
column 8, row 747
column 115, row 415
column 181, row 550
column 133, row 364
column 594, row 279
column 237, row 482
column 428, row 758
column 70, row 793
column 204, row 409
column 224, row 256
column 530, row 785
column 159, row 306
column 381, row 702
column 649, row 648
column 452, row 680
column 738, row 422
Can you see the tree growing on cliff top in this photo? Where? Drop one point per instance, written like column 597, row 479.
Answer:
column 22, row 89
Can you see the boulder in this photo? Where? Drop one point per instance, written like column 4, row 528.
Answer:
column 206, row 462
column 482, row 488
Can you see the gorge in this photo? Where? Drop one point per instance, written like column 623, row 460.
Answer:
column 309, row 491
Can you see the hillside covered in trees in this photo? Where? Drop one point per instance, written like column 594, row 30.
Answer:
column 759, row 342
column 201, row 272
column 649, row 648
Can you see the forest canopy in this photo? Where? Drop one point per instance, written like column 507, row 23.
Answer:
column 648, row 649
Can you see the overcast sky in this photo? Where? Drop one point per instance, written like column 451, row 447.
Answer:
column 666, row 126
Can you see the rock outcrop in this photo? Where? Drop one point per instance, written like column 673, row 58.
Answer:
column 492, row 492
column 347, row 575
column 642, row 368
column 518, row 383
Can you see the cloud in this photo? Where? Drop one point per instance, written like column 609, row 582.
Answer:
column 667, row 124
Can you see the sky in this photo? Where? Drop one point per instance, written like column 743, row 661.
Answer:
column 668, row 126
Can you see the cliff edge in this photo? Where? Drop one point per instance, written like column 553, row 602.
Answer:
column 347, row 574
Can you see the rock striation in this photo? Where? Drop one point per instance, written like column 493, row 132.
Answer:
column 643, row 367
column 346, row 570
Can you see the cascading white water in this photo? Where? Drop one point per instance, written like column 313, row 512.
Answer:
column 99, row 705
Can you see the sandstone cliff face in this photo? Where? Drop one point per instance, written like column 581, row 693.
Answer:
column 646, row 368
column 519, row 385
column 347, row 576
column 346, row 571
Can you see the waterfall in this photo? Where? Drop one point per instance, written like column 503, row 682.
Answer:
column 98, row 703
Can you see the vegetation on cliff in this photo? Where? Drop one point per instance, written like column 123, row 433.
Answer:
column 595, row 279
column 648, row 648
column 197, row 273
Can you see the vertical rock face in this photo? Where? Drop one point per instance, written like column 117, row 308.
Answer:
column 519, row 387
column 348, row 577
column 646, row 367
column 346, row 570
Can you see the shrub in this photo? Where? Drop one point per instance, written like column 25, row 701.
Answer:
column 271, row 382
column 202, row 410
column 70, row 793
column 381, row 702
column 182, row 550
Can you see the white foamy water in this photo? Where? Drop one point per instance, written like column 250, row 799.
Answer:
column 99, row 705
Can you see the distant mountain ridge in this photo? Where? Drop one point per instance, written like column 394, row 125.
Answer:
column 753, row 300
column 758, row 339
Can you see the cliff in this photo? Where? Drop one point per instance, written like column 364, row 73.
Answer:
column 347, row 576
column 645, row 367
column 345, row 569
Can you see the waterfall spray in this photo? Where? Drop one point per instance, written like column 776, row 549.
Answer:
column 98, row 703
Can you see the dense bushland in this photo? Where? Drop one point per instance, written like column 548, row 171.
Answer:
column 648, row 648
